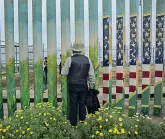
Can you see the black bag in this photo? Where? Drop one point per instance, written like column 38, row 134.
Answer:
column 92, row 102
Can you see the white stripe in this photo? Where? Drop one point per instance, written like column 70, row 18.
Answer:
column 157, row 79
column 106, row 70
column 119, row 82
column 158, row 67
column 145, row 81
column 119, row 69
column 146, row 67
column 105, row 97
column 105, row 83
column 132, row 68
column 132, row 81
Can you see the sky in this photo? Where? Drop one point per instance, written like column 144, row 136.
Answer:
column 86, row 25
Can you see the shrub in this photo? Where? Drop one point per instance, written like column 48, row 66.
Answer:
column 111, row 124
column 45, row 122
column 39, row 122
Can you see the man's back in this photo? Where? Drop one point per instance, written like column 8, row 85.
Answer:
column 78, row 71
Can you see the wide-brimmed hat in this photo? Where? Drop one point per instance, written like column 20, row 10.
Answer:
column 78, row 47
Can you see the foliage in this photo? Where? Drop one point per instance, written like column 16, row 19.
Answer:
column 114, row 125
column 39, row 122
column 45, row 122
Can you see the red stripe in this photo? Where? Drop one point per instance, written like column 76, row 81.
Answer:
column 105, row 76
column 119, row 76
column 119, row 89
column 145, row 74
column 158, row 73
column 105, row 90
column 132, row 75
column 144, row 86
column 132, row 88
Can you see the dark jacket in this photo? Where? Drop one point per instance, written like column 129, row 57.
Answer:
column 92, row 102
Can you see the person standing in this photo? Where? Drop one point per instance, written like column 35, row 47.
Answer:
column 79, row 71
column 45, row 72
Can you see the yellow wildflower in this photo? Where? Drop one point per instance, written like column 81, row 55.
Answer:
column 106, row 120
column 4, row 130
column 28, row 129
column 26, row 122
column 50, row 118
column 100, row 126
column 23, row 132
column 122, row 131
column 110, row 116
column 85, row 123
column 3, row 137
column 120, row 119
column 118, row 132
column 129, row 132
column 16, row 116
column 110, row 131
column 21, row 117
column 136, row 126
column 39, row 113
column 4, row 117
column 44, row 114
column 100, row 118
column 97, row 132
column 137, row 120
column 93, row 136
column 101, row 134
column 54, row 119
column 16, row 131
column 8, row 127
column 31, row 132
column 136, row 132
column 121, row 124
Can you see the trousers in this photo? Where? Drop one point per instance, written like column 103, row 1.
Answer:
column 77, row 95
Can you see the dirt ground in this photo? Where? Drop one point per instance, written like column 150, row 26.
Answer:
column 31, row 81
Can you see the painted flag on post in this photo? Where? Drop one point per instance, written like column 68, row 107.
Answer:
column 120, row 55
column 133, row 75
column 159, row 55
column 107, row 51
column 146, row 67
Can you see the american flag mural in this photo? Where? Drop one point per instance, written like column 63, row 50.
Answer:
column 133, row 78
column 119, row 58
column 146, row 64
column 133, row 53
column 159, row 64
column 106, row 41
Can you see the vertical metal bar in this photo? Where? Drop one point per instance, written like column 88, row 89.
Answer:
column 52, row 58
column 159, row 56
column 1, row 94
column 93, row 38
column 65, row 41
column 133, row 75
column 107, row 45
column 79, row 21
column 23, row 51
column 146, row 55
column 10, row 63
column 120, row 55
column 37, row 50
